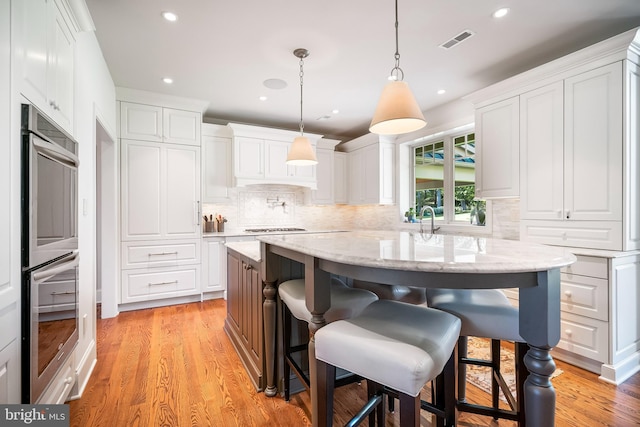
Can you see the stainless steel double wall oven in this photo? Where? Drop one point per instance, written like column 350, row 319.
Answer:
column 49, row 250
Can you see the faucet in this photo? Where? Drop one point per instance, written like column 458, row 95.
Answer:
column 433, row 214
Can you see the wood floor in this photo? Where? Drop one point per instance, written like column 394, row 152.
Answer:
column 174, row 366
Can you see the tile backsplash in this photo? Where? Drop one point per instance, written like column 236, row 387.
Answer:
column 284, row 206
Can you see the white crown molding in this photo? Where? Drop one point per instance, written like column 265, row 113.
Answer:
column 153, row 98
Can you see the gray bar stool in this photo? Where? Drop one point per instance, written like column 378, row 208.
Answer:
column 396, row 346
column 486, row 313
column 345, row 302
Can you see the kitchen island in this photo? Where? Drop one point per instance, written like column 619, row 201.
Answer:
column 430, row 261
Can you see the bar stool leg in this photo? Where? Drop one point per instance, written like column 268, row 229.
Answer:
column 409, row 410
column 462, row 370
column 326, row 377
column 495, row 362
column 286, row 371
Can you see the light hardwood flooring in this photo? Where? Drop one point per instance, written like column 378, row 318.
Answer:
column 174, row 366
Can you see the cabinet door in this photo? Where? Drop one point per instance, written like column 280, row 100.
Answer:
column 252, row 311
column 35, row 37
column 181, row 185
column 356, row 178
column 181, row 127
column 593, row 145
column 370, row 167
column 497, row 156
column 139, row 121
column 212, row 266
column 541, row 153
column 141, row 177
column 61, row 71
column 325, row 175
column 248, row 157
column 275, row 160
column 341, row 184
column 234, row 277
column 216, row 164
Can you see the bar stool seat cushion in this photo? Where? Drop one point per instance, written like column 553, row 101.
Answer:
column 399, row 345
column 345, row 301
column 485, row 313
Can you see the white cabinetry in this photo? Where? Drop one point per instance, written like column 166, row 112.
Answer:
column 216, row 162
column 159, row 124
column 371, row 170
column 160, row 204
column 497, row 150
column 340, row 185
column 160, row 190
column 48, row 58
column 214, row 266
column 260, row 156
column 325, row 173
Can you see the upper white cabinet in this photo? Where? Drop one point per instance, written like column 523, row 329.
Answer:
column 497, row 150
column 340, row 187
column 48, row 58
column 160, row 190
column 159, row 124
column 260, row 156
column 325, row 173
column 578, row 140
column 216, row 162
column 371, row 170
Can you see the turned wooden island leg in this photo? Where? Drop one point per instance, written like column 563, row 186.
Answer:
column 269, row 320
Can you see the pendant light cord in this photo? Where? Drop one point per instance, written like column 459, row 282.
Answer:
column 396, row 72
column 301, row 83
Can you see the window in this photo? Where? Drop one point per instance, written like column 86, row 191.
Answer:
column 444, row 178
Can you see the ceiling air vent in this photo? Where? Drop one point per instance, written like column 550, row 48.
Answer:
column 457, row 39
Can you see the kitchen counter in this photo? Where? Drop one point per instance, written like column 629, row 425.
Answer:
column 430, row 261
column 243, row 233
column 250, row 249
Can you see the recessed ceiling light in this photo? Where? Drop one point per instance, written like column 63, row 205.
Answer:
column 501, row 12
column 336, row 111
column 170, row 16
column 263, row 98
column 275, row 84
column 441, row 91
column 167, row 80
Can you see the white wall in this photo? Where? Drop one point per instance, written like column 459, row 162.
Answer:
column 95, row 99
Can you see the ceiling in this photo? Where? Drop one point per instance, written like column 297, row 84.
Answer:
column 222, row 52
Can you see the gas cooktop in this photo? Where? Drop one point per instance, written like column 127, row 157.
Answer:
column 272, row 230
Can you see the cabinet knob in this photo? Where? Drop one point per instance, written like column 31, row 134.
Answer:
column 567, row 294
column 68, row 380
column 568, row 215
column 568, row 332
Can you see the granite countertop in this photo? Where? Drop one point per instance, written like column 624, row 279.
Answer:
column 250, row 249
column 425, row 252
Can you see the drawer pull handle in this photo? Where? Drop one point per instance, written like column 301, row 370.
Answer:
column 63, row 293
column 568, row 332
column 163, row 283
column 247, row 267
column 567, row 294
column 163, row 253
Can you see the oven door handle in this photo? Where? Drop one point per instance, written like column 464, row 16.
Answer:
column 54, row 152
column 57, row 267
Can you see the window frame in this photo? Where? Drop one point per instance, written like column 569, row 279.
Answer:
column 447, row 222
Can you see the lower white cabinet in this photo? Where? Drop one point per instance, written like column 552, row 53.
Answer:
column 599, row 296
column 214, row 266
column 144, row 284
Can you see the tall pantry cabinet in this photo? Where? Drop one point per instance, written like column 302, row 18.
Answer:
column 578, row 137
column 160, row 202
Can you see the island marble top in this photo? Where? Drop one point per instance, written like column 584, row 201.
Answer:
column 402, row 250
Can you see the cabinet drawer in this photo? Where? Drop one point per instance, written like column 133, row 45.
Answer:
column 588, row 266
column 160, row 254
column 585, row 296
column 579, row 234
column 584, row 336
column 156, row 283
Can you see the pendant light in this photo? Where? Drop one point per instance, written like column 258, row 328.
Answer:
column 301, row 152
column 397, row 111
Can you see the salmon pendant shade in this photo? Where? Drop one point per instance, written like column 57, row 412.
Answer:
column 398, row 111
column 301, row 152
